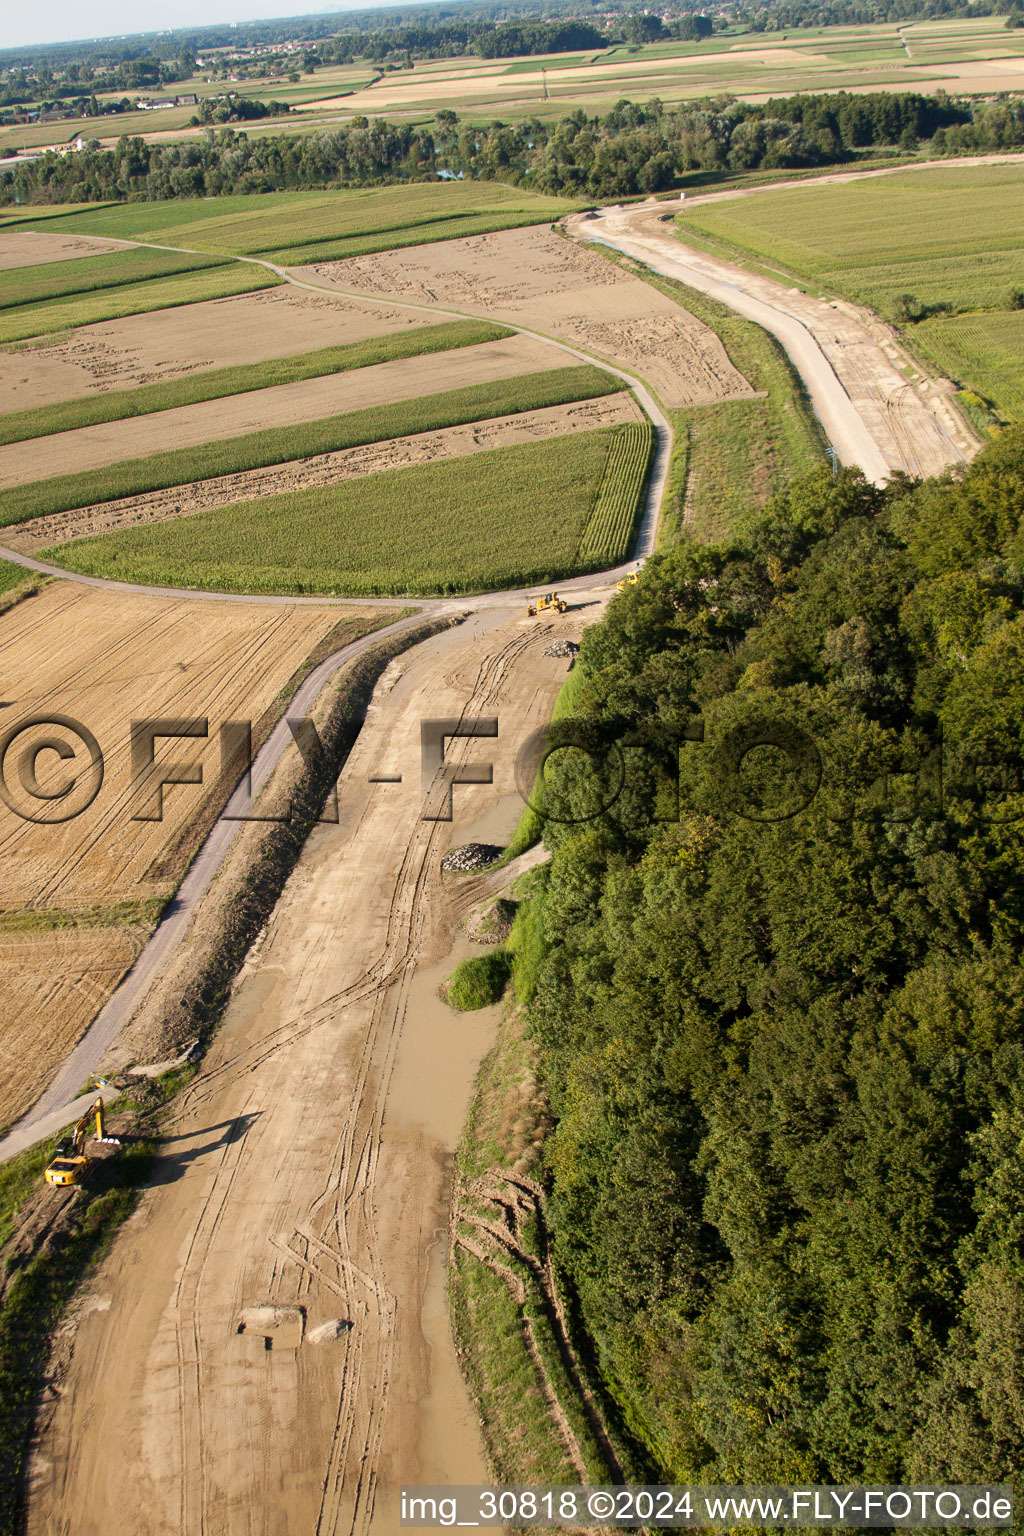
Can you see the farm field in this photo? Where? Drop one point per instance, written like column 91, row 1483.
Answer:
column 103, row 659
column 903, row 244
column 323, row 469
column 274, row 408
column 608, row 533
column 509, row 389
column 174, row 344
column 974, row 55
column 562, row 290
column 218, row 383
column 500, row 518
column 983, row 351
column 53, row 985
column 92, row 274
column 287, row 221
column 51, row 315
column 33, row 248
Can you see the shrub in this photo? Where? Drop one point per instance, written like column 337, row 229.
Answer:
column 479, row 982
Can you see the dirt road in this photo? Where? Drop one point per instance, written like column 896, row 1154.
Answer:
column 877, row 409
column 309, row 1168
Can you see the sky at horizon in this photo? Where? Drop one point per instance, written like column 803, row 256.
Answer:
column 60, row 21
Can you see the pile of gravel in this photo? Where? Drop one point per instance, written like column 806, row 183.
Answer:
column 471, row 856
column 562, row 648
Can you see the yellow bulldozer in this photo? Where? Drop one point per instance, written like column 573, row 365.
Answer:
column 549, row 603
column 627, row 581
column 70, row 1164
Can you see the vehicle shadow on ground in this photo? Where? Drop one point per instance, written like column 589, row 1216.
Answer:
column 171, row 1165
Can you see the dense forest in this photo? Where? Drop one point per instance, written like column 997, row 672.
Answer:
column 631, row 149
column 781, row 1019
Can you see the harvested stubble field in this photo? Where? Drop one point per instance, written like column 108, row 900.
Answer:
column 104, row 659
column 90, row 274
column 218, row 383
column 34, row 247
column 508, row 390
column 44, row 319
column 174, row 344
column 323, row 469
column 501, row 518
column 540, row 279
column 945, row 238
column 271, row 412
column 53, row 985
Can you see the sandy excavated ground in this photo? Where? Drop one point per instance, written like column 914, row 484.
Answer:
column 536, row 278
column 309, row 1167
column 169, row 343
column 33, row 248
column 105, row 658
column 279, row 406
column 323, row 469
column 53, row 985
column 900, row 419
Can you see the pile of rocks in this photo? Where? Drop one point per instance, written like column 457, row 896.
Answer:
column 562, row 648
column 470, row 856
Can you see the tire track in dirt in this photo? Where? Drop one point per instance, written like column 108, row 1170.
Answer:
column 340, row 1219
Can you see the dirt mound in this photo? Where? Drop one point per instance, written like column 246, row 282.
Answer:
column 492, row 924
column 565, row 648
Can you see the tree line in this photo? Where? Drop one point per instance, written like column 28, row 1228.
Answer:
column 632, row 149
column 779, row 1008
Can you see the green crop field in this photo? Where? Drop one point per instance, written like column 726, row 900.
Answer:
column 290, row 221
column 119, row 404
column 60, row 279
column 985, row 353
column 501, row 518
column 133, row 299
column 608, row 536
column 912, row 243
column 255, row 450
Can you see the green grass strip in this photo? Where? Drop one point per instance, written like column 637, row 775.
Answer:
column 255, row 450
column 61, row 279
column 118, row 405
column 11, row 575
column 132, row 299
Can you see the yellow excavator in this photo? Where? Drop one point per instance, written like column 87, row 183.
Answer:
column 627, row 581
column 549, row 603
column 70, row 1164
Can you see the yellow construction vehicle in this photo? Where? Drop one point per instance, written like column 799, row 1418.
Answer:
column 549, row 603
column 70, row 1164
column 627, row 581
